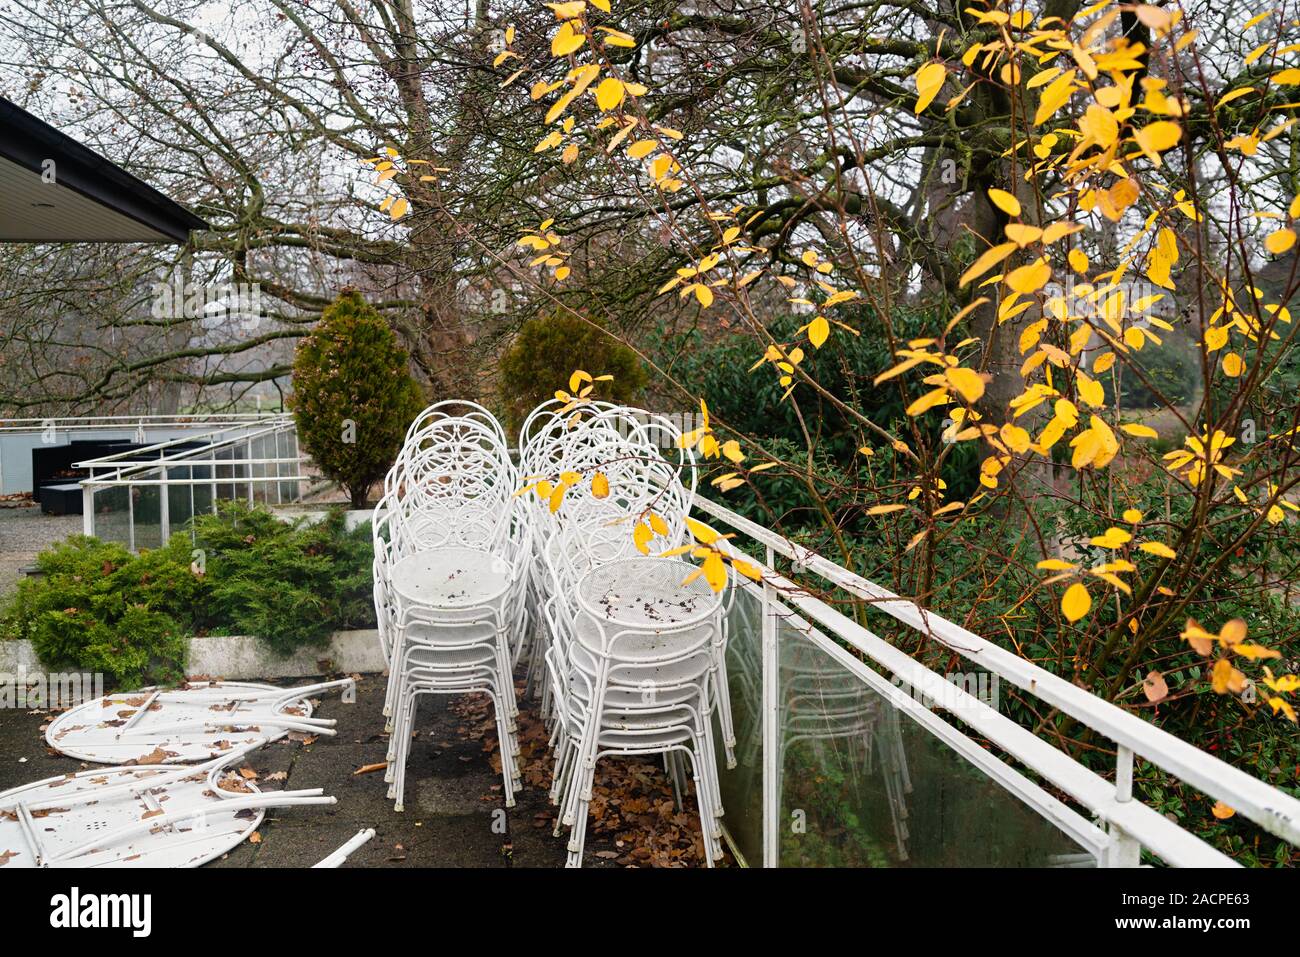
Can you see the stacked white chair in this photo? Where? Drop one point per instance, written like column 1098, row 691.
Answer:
column 628, row 672
column 452, row 549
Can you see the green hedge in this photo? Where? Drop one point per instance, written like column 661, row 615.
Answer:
column 97, row 607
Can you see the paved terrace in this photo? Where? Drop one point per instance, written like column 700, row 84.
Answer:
column 25, row 533
column 454, row 813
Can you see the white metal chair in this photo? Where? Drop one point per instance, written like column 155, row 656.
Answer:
column 635, row 676
column 452, row 547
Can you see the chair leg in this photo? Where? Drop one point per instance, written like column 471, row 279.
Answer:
column 703, row 800
column 723, row 693
column 508, row 783
column 578, row 836
column 404, row 747
column 709, row 795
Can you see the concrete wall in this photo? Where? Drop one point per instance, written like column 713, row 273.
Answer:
column 244, row 658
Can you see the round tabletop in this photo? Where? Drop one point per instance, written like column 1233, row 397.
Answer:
column 647, row 593
column 451, row 577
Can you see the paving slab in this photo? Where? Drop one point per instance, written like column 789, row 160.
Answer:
column 454, row 815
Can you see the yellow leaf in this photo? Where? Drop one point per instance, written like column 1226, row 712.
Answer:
column 990, row 258
column 1090, row 391
column 1114, row 537
column 617, row 38
column 1016, row 438
column 657, row 524
column 1055, row 565
column 929, row 80
column 569, row 10
column 1023, row 235
column 1233, row 365
column 818, row 330
column 1224, row 678
column 1054, row 97
column 1158, row 549
column 1280, row 241
column 641, row 536
column 1158, row 137
column 1076, row 602
column 703, row 294
column 557, row 497
column 702, row 532
column 885, row 509
column 1222, row 811
column 1031, row 277
column 566, row 40
column 609, row 93
column 1255, row 652
column 715, row 571
column 398, row 208
column 967, row 382
column 1132, row 515
column 1140, row 431
column 1078, row 260
column 600, row 485
column 1233, row 632
column 1005, row 202
column 642, row 148
column 928, row 401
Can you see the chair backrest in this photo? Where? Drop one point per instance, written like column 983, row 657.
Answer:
column 455, row 409
column 452, row 483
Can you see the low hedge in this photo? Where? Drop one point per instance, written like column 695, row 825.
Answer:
column 242, row 571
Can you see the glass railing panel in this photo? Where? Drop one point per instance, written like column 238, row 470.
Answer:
column 202, row 492
column 112, row 517
column 180, row 506
column 287, row 449
column 224, row 471
column 255, row 470
column 146, row 510
column 863, row 784
column 742, row 786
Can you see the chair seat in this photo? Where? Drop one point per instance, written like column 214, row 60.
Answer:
column 461, row 656
column 451, row 580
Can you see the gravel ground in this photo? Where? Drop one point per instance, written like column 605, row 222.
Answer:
column 24, row 532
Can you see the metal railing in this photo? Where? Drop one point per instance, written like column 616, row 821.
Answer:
column 141, row 496
column 18, row 437
column 803, row 675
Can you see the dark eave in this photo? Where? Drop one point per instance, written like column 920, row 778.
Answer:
column 91, row 198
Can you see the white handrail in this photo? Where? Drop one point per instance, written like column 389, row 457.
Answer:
column 1270, row 808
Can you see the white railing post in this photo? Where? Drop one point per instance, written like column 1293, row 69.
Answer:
column 164, row 504
column 87, row 510
column 1122, row 850
column 771, row 731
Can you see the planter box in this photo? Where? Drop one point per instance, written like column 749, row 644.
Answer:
column 244, row 658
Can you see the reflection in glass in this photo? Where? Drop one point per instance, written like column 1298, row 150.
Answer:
column 861, row 782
